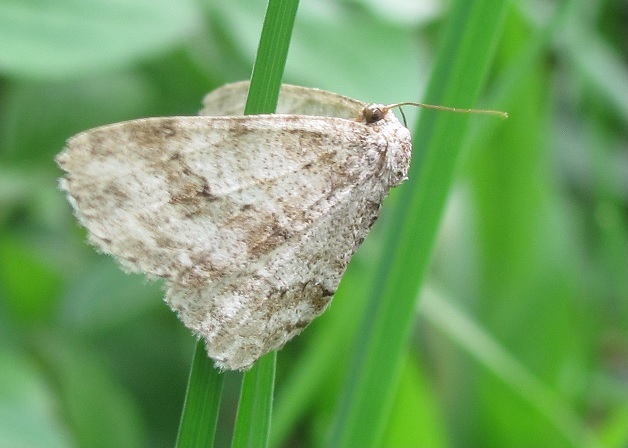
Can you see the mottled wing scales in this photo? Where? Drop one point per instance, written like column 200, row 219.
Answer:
column 252, row 220
column 285, row 291
column 194, row 199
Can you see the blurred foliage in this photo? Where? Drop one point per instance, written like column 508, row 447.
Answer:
column 521, row 335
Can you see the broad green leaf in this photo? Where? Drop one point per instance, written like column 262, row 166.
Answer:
column 56, row 39
column 29, row 415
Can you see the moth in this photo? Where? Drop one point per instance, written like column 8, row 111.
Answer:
column 250, row 220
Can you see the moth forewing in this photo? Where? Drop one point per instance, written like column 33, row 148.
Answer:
column 250, row 219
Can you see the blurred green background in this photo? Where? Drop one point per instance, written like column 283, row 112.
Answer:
column 521, row 337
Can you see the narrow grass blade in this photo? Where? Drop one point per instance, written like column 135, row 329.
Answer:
column 255, row 408
column 253, row 421
column 471, row 337
column 202, row 402
column 468, row 44
column 271, row 56
column 252, row 426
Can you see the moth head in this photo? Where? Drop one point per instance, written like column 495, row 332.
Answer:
column 373, row 113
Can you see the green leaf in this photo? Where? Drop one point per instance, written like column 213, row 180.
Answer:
column 28, row 416
column 357, row 40
column 97, row 410
column 462, row 63
column 271, row 57
column 415, row 402
column 252, row 425
column 66, row 38
column 255, row 408
column 202, row 402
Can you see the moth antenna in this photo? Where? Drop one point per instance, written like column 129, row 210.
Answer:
column 403, row 115
column 450, row 109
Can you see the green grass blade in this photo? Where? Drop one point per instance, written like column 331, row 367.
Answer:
column 468, row 45
column 505, row 88
column 271, row 56
column 255, row 408
column 474, row 339
column 202, row 402
column 252, row 426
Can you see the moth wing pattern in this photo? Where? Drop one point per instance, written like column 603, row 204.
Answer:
column 250, row 219
column 285, row 290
